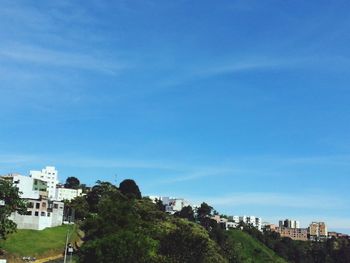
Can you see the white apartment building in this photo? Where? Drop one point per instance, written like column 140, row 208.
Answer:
column 67, row 193
column 50, row 175
column 24, row 184
column 249, row 220
column 171, row 204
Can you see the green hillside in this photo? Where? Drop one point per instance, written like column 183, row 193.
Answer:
column 247, row 249
column 38, row 243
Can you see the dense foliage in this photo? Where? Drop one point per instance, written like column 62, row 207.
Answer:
column 9, row 202
column 72, row 182
column 130, row 189
column 125, row 229
column 329, row 251
column 121, row 226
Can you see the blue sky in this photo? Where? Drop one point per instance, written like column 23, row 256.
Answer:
column 243, row 103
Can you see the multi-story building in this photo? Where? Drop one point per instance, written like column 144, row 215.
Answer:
column 41, row 213
column 288, row 223
column 67, row 193
column 27, row 186
column 293, row 233
column 251, row 220
column 317, row 231
column 337, row 235
column 171, row 204
column 50, row 175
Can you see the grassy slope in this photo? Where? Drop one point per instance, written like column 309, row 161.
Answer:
column 251, row 250
column 38, row 243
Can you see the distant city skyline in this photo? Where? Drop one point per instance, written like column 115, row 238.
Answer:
column 242, row 104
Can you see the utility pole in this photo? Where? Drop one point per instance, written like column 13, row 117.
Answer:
column 65, row 248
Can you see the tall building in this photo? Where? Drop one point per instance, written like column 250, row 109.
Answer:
column 50, row 175
column 288, row 223
column 318, row 231
column 41, row 211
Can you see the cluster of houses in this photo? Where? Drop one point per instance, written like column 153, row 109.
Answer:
column 44, row 195
column 316, row 231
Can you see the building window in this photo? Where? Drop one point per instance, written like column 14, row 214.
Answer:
column 36, row 213
column 43, row 205
column 48, row 214
column 55, row 206
column 37, row 206
column 42, row 213
column 29, row 213
column 30, row 205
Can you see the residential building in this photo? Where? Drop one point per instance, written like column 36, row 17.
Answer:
column 270, row 227
column 172, row 205
column 41, row 213
column 293, row 233
column 29, row 187
column 225, row 223
column 249, row 220
column 234, row 219
column 50, row 175
column 288, row 223
column 63, row 193
column 317, row 231
column 337, row 235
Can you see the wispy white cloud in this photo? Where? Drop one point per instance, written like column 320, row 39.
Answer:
column 241, row 64
column 16, row 159
column 180, row 171
column 50, row 57
column 232, row 64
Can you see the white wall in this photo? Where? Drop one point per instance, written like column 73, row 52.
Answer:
column 25, row 185
column 31, row 222
column 67, row 194
column 49, row 175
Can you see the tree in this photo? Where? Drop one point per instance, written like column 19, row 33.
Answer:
column 204, row 211
column 129, row 188
column 160, row 205
column 79, row 206
column 72, row 182
column 99, row 190
column 10, row 202
column 186, row 212
column 123, row 246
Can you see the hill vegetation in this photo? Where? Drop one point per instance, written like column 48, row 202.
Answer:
column 245, row 248
column 121, row 226
column 33, row 243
